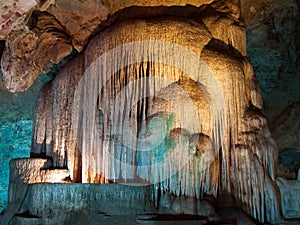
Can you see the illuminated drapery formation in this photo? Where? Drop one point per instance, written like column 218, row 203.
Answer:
column 138, row 107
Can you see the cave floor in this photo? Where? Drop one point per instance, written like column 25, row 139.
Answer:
column 86, row 217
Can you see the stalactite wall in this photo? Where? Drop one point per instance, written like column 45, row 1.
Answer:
column 162, row 102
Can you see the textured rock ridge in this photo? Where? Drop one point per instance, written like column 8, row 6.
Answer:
column 39, row 35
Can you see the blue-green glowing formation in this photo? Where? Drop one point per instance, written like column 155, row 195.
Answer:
column 160, row 152
column 15, row 139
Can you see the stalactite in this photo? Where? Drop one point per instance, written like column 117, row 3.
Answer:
column 153, row 103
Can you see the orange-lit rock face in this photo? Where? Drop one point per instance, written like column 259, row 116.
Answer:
column 59, row 26
column 161, row 101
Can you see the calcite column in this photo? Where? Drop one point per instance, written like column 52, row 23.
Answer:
column 171, row 102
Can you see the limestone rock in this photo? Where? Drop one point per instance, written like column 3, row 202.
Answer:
column 288, row 163
column 286, row 128
column 227, row 30
column 89, row 118
column 79, row 18
column 13, row 14
column 27, row 54
column 54, row 28
column 289, row 192
column 31, row 171
column 24, row 172
column 38, row 195
column 23, row 220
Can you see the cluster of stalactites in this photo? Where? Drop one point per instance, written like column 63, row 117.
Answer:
column 190, row 129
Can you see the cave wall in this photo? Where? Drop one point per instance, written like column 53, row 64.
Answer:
column 15, row 130
column 273, row 49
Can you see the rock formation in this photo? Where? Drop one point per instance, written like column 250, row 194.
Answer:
column 113, row 117
column 40, row 34
column 160, row 95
